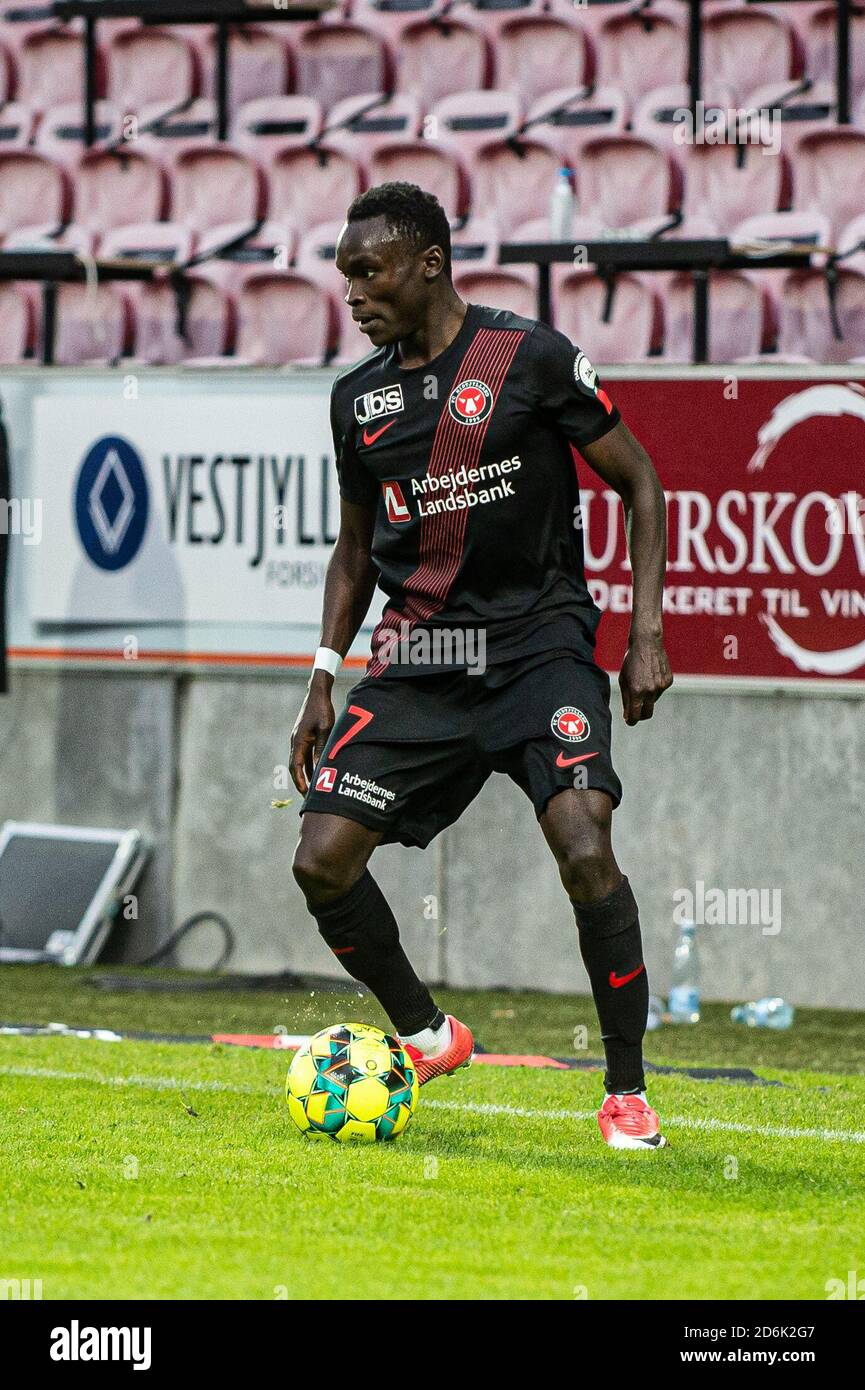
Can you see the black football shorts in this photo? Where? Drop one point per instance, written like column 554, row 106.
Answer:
column 407, row 755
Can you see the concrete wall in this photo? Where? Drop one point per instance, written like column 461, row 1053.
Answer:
column 739, row 791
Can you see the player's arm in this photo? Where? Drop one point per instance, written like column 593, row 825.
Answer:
column 348, row 588
column 623, row 463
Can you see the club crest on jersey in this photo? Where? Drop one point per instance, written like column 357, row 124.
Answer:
column 470, row 402
column 395, row 502
column 570, row 724
column 386, row 401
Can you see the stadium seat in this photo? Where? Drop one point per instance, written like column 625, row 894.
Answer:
column 153, row 305
column 743, row 48
column 315, row 259
column 801, row 114
column 390, row 18
column 829, row 174
column 165, row 133
column 112, row 188
column 338, row 60
column 16, row 324
column 821, row 47
column 147, row 65
column 367, row 123
column 258, row 63
column 51, row 67
column 571, row 122
column 92, row 325
column 536, row 54
column 61, row 133
column 33, row 190
column 437, row 169
column 466, row 121
column 512, row 186
column 7, row 72
column 272, row 247
column 736, row 318
column 267, row 125
column 641, row 50
column 435, row 60
column 633, row 322
column 805, row 323
column 493, row 15
column 208, row 181
column 312, row 186
column 585, row 229
column 501, row 289
column 17, row 124
column 284, row 318
column 663, row 115
column 625, row 180
column 726, row 183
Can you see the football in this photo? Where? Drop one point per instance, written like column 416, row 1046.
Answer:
column 351, row 1081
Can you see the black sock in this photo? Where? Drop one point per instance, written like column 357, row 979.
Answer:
column 612, row 952
column 362, row 932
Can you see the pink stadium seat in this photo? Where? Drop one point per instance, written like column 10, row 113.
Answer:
column 642, row 50
column 805, row 323
column 92, row 325
column 633, row 328
column 725, row 183
column 801, row 115
column 493, row 15
column 7, row 72
column 17, row 124
column 821, row 47
column 62, row 130
column 368, row 126
column 16, row 324
column 512, row 187
column 112, row 189
column 592, row 18
column 736, row 318
column 663, row 115
column 572, row 123
column 339, row 60
column 742, row 48
column 258, row 64
column 266, row 126
column 585, row 229
column 538, row 53
column 434, row 60
column 390, row 18
column 208, row 181
column 165, row 133
column 829, row 174
column 435, row 168
column 271, row 248
column 51, row 67
column 312, row 186
column 466, row 121
column 33, row 190
column 150, row 65
column 625, row 180
column 475, row 245
column 284, row 318
column 501, row 289
column 315, row 259
column 778, row 228
column 152, row 307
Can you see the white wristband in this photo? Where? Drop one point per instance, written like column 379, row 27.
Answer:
column 326, row 659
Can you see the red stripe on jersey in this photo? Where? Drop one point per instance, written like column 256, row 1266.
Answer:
column 442, row 536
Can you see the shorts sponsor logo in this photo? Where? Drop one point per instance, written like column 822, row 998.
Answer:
column 570, row 724
column 325, row 779
column 366, row 790
column 397, row 511
column 386, row 401
column 470, row 402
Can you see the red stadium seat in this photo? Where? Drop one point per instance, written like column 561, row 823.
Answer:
column 338, row 60
column 312, row 186
column 148, row 65
column 642, row 50
column 436, row 168
column 33, row 190
column 633, row 323
column 829, row 174
column 624, row 180
column 538, row 54
column 736, row 318
column 743, row 48
column 572, row 123
column 435, row 60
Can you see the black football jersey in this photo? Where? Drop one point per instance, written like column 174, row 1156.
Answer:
column 469, row 462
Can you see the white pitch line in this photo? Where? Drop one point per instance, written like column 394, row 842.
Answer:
column 174, row 1083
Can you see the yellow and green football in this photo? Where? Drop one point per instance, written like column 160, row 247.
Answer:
column 351, row 1081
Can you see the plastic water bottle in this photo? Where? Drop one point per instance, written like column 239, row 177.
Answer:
column 764, row 1013
column 562, row 206
column 684, row 1002
column 656, row 1013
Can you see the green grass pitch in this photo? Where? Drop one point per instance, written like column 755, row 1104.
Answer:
column 145, row 1170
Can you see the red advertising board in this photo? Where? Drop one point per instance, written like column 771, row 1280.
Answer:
column 766, row 525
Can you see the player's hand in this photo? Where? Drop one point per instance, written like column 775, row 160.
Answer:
column 644, row 677
column 311, row 730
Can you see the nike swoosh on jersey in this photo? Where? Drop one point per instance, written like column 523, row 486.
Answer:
column 371, row 438
column 562, row 761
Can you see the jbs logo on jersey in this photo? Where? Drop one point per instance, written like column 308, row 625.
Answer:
column 470, row 402
column 395, row 502
column 570, row 724
column 386, row 401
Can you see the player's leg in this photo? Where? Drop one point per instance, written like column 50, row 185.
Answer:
column 576, row 825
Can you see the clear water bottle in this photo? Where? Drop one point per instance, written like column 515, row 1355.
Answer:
column 656, row 1013
column 684, row 1002
column 764, row 1013
column 562, row 206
